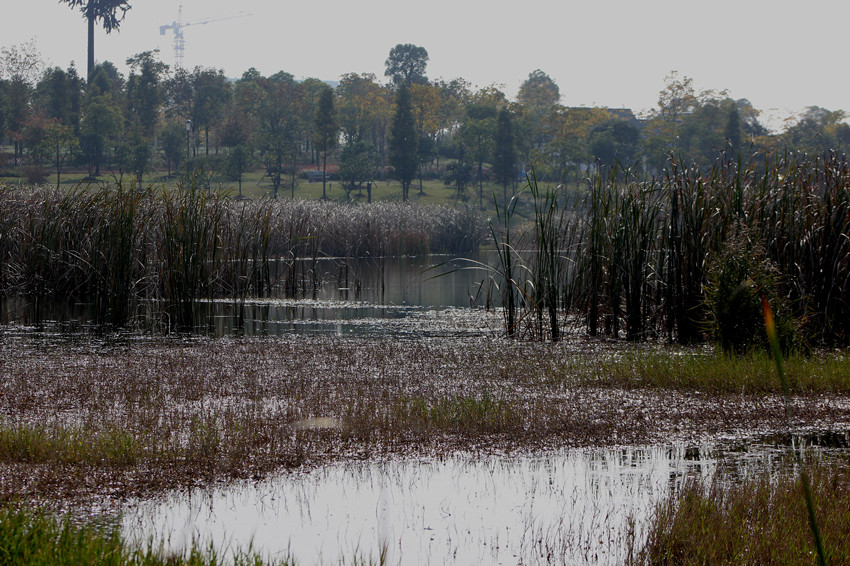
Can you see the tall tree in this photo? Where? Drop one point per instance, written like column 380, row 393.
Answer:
column 211, row 91
column 110, row 13
column 278, row 125
column 19, row 67
column 59, row 143
column 614, row 141
column 59, row 95
column 406, row 64
column 101, row 121
column 404, row 145
column 539, row 92
column 325, row 134
column 144, row 93
column 538, row 98
column 504, row 152
column 733, row 132
column 357, row 164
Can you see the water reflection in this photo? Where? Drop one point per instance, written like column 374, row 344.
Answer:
column 350, row 296
column 565, row 507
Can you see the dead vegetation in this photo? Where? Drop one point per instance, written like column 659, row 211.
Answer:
column 95, row 419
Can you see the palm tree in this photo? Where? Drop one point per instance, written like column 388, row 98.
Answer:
column 107, row 12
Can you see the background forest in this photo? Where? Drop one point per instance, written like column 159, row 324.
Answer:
column 158, row 121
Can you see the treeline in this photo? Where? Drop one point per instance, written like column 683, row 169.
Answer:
column 162, row 119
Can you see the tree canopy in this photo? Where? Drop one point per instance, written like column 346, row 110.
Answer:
column 407, row 63
column 110, row 13
column 404, row 144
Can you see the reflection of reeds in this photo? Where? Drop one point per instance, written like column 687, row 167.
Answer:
column 119, row 247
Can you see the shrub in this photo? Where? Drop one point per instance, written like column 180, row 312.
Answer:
column 737, row 278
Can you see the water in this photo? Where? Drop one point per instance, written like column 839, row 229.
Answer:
column 574, row 506
column 354, row 296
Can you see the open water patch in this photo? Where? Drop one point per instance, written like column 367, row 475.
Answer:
column 565, row 507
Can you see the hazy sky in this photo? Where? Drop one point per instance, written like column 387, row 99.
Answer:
column 781, row 55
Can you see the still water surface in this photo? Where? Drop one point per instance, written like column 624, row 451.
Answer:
column 353, row 296
column 576, row 506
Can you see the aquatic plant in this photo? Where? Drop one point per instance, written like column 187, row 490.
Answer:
column 119, row 247
column 634, row 254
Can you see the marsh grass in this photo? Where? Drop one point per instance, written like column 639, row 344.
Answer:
column 190, row 411
column 749, row 374
column 761, row 520
column 35, row 538
column 635, row 253
column 68, row 445
column 120, row 247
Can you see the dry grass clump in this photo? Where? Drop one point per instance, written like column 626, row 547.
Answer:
column 758, row 521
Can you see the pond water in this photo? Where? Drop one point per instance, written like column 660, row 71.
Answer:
column 352, row 296
column 575, row 506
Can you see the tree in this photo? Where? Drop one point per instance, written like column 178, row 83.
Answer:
column 312, row 89
column 677, row 98
column 614, row 141
column 110, row 13
column 237, row 163
column 404, row 145
column 134, row 155
column 357, row 164
column 539, row 93
column 504, row 152
column 733, row 131
column 172, row 143
column 406, row 64
column 19, row 67
column 567, row 149
column 356, row 99
column 538, row 97
column 815, row 130
column 325, row 134
column 101, row 121
column 60, row 143
column 211, row 92
column 478, row 130
column 276, row 108
column 144, row 92
column 59, row 95
column 425, row 101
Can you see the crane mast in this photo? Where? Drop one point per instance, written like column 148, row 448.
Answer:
column 177, row 29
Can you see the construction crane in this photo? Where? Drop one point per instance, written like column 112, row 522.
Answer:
column 177, row 28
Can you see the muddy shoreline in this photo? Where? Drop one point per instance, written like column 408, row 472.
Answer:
column 172, row 414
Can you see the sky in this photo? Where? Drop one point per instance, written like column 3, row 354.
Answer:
column 783, row 56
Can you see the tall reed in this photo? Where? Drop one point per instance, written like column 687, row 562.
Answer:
column 119, row 247
column 633, row 253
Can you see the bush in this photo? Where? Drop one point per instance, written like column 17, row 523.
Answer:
column 34, row 174
column 738, row 277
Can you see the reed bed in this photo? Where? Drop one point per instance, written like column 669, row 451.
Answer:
column 639, row 258
column 119, row 247
column 761, row 520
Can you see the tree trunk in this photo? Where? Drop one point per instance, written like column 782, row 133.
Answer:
column 324, row 174
column 90, row 16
